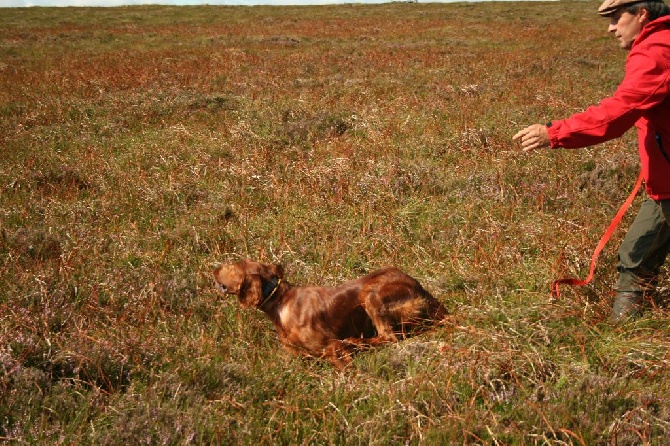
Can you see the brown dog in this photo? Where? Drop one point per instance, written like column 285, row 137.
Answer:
column 333, row 322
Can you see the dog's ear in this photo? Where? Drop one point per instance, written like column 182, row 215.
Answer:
column 251, row 291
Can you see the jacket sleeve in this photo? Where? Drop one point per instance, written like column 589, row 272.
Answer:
column 644, row 86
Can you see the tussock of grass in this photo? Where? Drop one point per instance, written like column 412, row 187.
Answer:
column 141, row 145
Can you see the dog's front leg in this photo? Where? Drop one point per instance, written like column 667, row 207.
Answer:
column 339, row 353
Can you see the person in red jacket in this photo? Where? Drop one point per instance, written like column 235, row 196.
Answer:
column 641, row 100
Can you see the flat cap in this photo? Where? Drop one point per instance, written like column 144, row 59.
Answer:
column 609, row 6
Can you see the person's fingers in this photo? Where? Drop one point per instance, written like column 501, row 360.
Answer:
column 519, row 134
column 529, row 148
column 532, row 137
column 524, row 134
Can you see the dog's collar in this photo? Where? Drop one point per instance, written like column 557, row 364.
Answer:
column 269, row 290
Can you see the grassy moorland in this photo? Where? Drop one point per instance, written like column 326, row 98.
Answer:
column 141, row 145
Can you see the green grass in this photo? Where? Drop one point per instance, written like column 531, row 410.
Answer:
column 141, row 145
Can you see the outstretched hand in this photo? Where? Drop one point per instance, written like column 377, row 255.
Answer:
column 533, row 137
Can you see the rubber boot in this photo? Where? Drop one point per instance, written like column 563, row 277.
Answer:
column 627, row 305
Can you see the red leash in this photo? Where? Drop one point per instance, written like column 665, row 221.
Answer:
column 555, row 292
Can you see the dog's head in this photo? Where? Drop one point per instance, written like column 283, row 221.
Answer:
column 252, row 282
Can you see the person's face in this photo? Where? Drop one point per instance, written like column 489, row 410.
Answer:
column 626, row 26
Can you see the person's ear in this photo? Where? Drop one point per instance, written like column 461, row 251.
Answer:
column 643, row 15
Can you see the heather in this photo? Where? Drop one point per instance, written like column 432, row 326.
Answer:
column 141, row 145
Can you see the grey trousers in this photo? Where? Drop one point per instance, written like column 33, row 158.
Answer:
column 644, row 247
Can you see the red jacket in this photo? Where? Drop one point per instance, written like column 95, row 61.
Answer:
column 642, row 100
